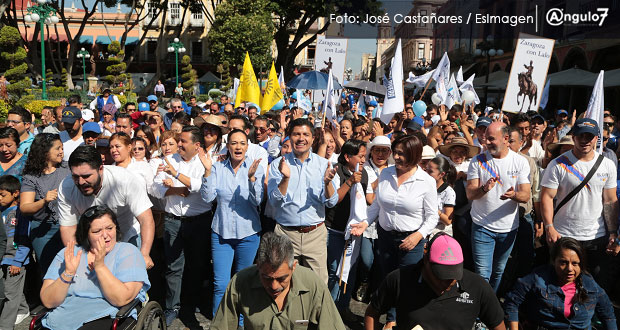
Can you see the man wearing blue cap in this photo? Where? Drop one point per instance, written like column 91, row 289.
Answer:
column 481, row 129
column 561, row 115
column 90, row 133
column 154, row 104
column 591, row 215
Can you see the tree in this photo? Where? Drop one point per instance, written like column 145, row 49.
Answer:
column 116, row 68
column 235, row 20
column 224, row 70
column 15, row 56
column 63, row 78
column 190, row 76
column 49, row 77
column 304, row 14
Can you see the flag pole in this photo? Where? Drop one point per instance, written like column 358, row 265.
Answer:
column 425, row 87
column 344, row 254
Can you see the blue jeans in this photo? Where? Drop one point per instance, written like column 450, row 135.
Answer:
column 46, row 242
column 491, row 251
column 335, row 250
column 392, row 257
column 185, row 240
column 226, row 252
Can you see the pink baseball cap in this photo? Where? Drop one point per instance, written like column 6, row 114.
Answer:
column 446, row 257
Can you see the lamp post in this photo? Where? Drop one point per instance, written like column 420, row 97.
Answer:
column 487, row 50
column 177, row 47
column 42, row 13
column 348, row 72
column 84, row 55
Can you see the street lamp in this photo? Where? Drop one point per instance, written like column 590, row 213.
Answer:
column 486, row 49
column 348, row 72
column 84, row 55
column 177, row 47
column 42, row 13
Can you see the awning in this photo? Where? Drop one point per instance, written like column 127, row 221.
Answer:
column 105, row 40
column 209, row 77
column 86, row 40
column 573, row 77
column 131, row 41
column 612, row 78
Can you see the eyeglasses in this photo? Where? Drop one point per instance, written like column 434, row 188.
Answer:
column 139, row 148
column 261, row 129
column 131, row 109
column 176, row 107
column 13, row 121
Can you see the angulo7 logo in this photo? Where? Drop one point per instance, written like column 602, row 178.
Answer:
column 557, row 17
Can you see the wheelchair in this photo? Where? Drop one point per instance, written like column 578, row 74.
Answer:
column 150, row 317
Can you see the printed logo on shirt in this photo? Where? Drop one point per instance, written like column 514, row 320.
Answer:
column 464, row 298
column 13, row 221
column 602, row 176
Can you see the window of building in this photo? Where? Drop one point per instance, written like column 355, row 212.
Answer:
column 175, row 13
column 430, row 52
column 196, row 51
column 151, row 50
column 423, row 14
column 420, row 51
column 152, row 9
column 197, row 16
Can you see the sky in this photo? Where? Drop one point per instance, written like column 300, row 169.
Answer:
column 363, row 38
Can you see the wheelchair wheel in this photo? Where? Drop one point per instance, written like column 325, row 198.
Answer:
column 151, row 317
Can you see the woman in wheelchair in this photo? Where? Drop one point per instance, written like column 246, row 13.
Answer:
column 94, row 279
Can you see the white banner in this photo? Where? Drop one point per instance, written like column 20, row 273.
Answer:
column 331, row 54
column 357, row 214
column 528, row 73
column 596, row 107
column 394, row 101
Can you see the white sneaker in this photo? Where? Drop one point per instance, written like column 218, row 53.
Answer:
column 20, row 318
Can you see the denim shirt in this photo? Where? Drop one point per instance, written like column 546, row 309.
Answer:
column 543, row 302
column 238, row 199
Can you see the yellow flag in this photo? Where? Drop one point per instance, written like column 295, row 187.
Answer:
column 248, row 90
column 273, row 93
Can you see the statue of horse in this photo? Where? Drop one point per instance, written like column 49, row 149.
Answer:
column 530, row 91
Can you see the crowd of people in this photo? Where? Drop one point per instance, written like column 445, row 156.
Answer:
column 475, row 217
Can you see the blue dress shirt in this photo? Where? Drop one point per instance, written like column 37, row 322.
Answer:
column 304, row 203
column 236, row 216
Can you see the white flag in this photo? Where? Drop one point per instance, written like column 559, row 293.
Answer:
column 468, row 85
column 459, row 76
column 596, row 106
column 442, row 88
column 420, row 81
column 453, row 94
column 442, row 70
column 281, row 76
column 357, row 214
column 544, row 99
column 329, row 105
column 235, row 87
column 394, row 101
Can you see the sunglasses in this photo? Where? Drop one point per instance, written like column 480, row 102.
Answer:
column 139, row 148
column 91, row 211
column 261, row 129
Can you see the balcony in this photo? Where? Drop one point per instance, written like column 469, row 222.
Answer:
column 154, row 25
column 196, row 23
column 173, row 21
column 309, row 62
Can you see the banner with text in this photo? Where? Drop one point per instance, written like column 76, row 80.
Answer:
column 331, row 54
column 528, row 73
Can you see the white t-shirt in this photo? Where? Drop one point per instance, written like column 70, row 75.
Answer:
column 445, row 197
column 581, row 217
column 69, row 144
column 537, row 152
column 489, row 211
column 120, row 191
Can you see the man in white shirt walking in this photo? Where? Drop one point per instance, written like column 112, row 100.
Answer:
column 497, row 181
column 590, row 216
column 187, row 224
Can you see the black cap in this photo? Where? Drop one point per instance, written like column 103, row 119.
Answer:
column 484, row 121
column 414, row 126
column 585, row 125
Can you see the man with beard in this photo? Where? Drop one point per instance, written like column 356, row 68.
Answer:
column 590, row 216
column 91, row 183
column 301, row 184
column 497, row 181
column 71, row 137
column 524, row 124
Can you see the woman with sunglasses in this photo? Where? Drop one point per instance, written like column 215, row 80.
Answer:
column 146, row 133
column 94, row 276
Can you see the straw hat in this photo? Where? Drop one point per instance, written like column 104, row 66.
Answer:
column 564, row 141
column 428, row 152
column 459, row 142
column 211, row 120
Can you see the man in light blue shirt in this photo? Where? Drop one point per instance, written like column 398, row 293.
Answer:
column 300, row 186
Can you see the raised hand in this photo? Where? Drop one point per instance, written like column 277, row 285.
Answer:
column 206, row 161
column 253, row 168
column 356, row 177
column 97, row 254
column 284, row 169
column 72, row 261
column 51, row 195
column 329, row 173
column 168, row 168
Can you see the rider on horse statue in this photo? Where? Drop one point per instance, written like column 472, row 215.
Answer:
column 528, row 74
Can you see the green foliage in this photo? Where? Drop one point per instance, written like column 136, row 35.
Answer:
column 190, row 76
column 49, row 77
column 215, row 94
column 5, row 106
column 36, row 106
column 202, row 98
column 224, row 70
column 63, row 78
column 15, row 56
column 235, row 20
column 116, row 68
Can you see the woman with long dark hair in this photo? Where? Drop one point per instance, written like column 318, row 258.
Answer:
column 560, row 295
column 43, row 173
column 146, row 133
column 445, row 174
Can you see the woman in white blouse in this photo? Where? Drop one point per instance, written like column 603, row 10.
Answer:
column 406, row 206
